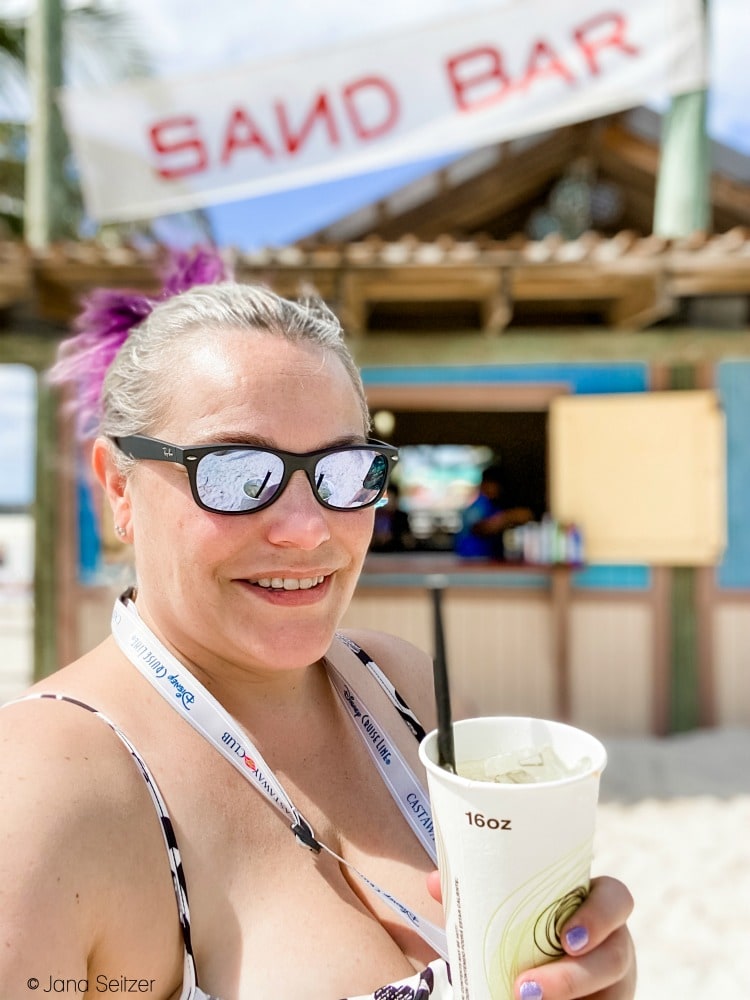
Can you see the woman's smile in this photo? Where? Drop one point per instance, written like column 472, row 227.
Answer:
column 291, row 591
column 290, row 583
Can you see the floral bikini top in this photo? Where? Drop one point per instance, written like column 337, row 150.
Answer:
column 432, row 982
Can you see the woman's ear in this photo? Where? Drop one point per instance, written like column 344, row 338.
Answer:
column 113, row 482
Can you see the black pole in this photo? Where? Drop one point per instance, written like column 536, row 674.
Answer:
column 446, row 751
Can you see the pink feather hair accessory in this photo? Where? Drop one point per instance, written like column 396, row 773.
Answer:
column 106, row 319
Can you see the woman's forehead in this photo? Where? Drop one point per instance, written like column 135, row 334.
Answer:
column 253, row 352
column 250, row 362
column 237, row 381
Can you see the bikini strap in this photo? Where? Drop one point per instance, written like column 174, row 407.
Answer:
column 170, row 840
column 408, row 717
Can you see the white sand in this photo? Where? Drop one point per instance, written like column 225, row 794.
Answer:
column 674, row 825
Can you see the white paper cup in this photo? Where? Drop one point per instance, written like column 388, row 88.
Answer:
column 514, row 859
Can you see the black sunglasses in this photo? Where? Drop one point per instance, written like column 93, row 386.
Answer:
column 240, row 478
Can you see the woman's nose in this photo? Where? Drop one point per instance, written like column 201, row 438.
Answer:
column 297, row 518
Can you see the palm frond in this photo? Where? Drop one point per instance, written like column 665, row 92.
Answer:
column 103, row 47
column 11, row 178
column 12, row 40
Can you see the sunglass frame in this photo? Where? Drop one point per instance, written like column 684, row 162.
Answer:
column 140, row 446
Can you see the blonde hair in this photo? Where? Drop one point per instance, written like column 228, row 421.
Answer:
column 133, row 396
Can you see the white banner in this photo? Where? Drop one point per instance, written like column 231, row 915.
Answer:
column 158, row 146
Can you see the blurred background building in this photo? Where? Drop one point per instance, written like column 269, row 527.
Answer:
column 572, row 302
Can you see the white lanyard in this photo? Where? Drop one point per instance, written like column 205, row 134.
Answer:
column 197, row 706
column 406, row 791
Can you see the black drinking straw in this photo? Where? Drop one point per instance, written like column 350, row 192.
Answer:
column 446, row 752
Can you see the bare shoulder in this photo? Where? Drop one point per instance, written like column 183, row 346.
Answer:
column 406, row 666
column 44, row 736
column 64, row 771
column 69, row 793
column 60, row 769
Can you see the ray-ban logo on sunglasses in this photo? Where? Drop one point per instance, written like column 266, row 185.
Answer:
column 168, row 452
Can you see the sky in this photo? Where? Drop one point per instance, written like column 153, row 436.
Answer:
column 191, row 36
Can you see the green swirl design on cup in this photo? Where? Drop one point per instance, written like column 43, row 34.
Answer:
column 524, row 929
column 550, row 921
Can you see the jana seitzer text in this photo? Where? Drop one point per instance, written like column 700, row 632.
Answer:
column 102, row 984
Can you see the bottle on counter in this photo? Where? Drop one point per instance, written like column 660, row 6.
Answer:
column 544, row 543
column 574, row 545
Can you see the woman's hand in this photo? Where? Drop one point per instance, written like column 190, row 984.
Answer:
column 600, row 959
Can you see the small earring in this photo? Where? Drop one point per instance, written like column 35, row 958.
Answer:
column 120, row 531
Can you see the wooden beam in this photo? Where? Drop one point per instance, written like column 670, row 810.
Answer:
column 484, row 285
column 15, row 274
column 485, row 398
column 462, row 208
column 731, row 202
column 623, row 154
column 66, row 272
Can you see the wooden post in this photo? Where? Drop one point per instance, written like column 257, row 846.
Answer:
column 682, row 205
column 560, row 591
column 661, row 603
column 44, row 222
column 684, row 693
column 47, row 530
column 45, row 162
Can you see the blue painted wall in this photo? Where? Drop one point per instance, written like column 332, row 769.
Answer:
column 733, row 384
column 583, row 379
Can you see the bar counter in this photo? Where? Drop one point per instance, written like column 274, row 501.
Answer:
column 390, row 577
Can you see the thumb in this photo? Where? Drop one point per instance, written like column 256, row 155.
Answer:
column 433, row 886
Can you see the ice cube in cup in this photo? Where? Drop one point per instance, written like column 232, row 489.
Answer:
column 522, row 766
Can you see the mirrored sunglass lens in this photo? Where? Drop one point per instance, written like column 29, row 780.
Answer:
column 238, row 480
column 349, row 479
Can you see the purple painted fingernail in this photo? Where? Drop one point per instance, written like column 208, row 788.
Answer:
column 531, row 990
column 577, row 938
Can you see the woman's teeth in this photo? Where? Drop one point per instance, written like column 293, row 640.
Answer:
column 288, row 583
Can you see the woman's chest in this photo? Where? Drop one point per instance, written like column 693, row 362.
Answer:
column 271, row 917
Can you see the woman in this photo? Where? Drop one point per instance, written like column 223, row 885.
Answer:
column 246, row 560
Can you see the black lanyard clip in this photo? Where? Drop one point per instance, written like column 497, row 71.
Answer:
column 305, row 836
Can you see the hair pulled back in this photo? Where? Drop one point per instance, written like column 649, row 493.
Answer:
column 134, row 392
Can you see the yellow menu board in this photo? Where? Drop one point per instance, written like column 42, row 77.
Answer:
column 643, row 474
